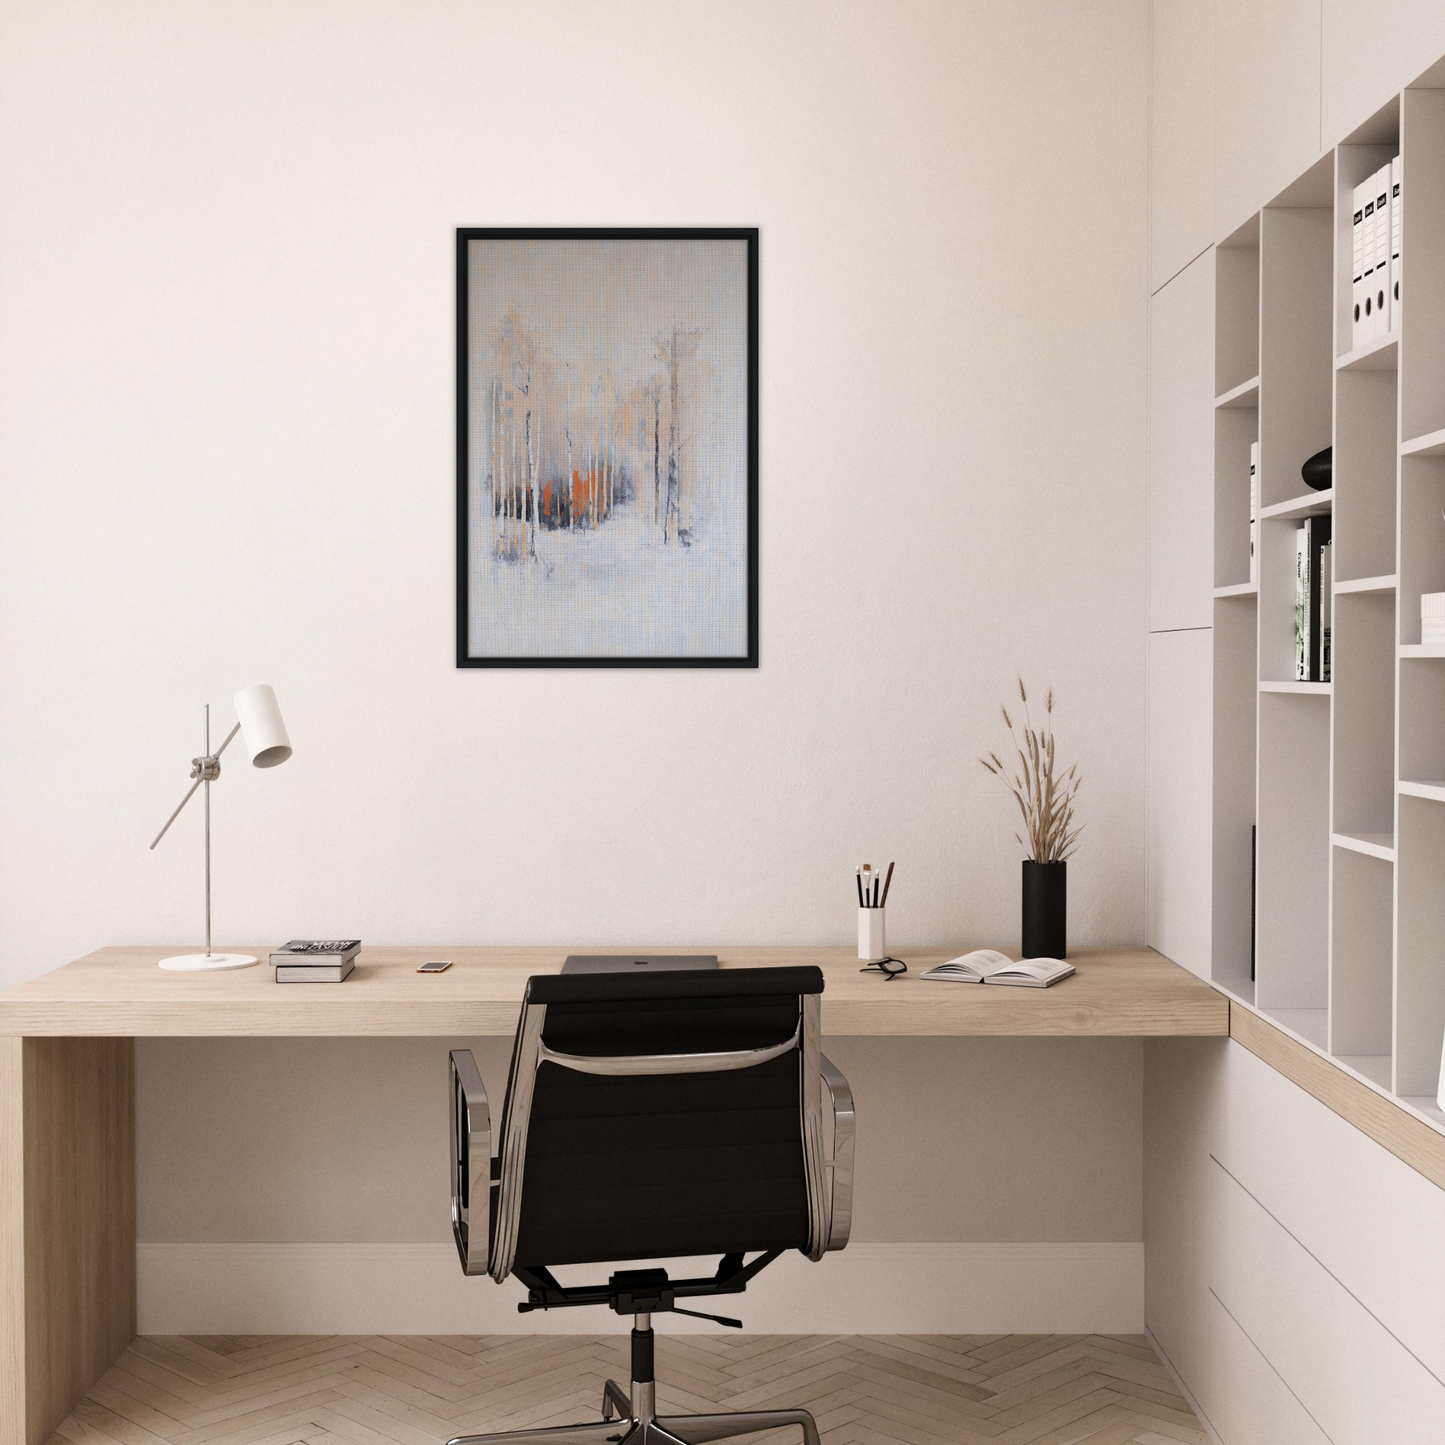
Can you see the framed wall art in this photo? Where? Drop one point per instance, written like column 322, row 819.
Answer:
column 607, row 448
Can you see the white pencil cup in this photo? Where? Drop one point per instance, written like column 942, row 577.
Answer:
column 871, row 946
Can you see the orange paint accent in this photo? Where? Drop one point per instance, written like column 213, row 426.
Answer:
column 547, row 499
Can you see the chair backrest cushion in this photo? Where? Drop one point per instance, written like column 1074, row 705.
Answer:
column 652, row 1166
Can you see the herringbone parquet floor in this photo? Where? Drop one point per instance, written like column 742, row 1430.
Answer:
column 419, row 1390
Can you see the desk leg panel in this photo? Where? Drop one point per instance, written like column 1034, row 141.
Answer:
column 67, row 1211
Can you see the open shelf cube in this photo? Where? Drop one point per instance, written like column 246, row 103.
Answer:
column 1364, row 723
column 1236, row 327
column 1236, row 707
column 1362, row 902
column 1420, row 963
column 1296, row 326
column 1422, row 246
column 1294, row 852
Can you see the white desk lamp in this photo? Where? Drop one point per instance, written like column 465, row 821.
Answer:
column 258, row 720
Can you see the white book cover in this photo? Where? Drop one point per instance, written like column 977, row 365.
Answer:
column 1327, row 607
column 1254, row 513
column 1301, row 605
column 1357, row 267
column 1396, row 226
column 1382, row 251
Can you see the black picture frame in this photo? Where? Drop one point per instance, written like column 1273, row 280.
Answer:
column 465, row 235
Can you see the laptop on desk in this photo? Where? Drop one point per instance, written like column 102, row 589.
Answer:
column 637, row 962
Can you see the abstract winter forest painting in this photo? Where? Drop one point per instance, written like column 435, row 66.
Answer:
column 607, row 448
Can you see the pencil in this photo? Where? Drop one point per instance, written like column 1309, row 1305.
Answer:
column 887, row 883
column 858, row 879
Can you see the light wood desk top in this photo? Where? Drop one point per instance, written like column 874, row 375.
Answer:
column 119, row 992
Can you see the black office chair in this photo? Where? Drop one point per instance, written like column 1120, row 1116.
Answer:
column 650, row 1117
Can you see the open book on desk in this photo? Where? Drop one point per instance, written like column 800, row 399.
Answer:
column 987, row 965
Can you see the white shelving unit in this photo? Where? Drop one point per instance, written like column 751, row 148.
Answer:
column 1344, row 781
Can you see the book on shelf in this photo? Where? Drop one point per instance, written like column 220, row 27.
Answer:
column 314, row 972
column 1301, row 606
column 1310, row 614
column 1326, row 607
column 988, row 965
column 1254, row 513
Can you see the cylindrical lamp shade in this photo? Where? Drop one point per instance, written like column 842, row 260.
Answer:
column 262, row 730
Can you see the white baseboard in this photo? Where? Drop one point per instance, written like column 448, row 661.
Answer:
column 306, row 1289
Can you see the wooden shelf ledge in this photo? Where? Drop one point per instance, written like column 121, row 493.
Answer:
column 1391, row 1121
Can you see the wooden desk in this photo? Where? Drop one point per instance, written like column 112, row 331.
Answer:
column 67, row 1091
column 119, row 992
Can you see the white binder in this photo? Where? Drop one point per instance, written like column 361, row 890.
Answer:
column 1396, row 225
column 1367, row 323
column 1357, row 267
column 1382, row 251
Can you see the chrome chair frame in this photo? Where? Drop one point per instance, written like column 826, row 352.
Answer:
column 486, row 1211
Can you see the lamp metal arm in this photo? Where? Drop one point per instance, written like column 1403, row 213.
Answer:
column 204, row 770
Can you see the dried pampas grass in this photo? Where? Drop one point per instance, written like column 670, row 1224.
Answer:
column 1046, row 801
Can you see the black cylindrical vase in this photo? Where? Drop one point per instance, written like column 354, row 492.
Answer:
column 1046, row 909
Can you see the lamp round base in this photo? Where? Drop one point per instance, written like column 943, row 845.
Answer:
column 206, row 962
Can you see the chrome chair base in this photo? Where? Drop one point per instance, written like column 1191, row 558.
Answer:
column 641, row 1427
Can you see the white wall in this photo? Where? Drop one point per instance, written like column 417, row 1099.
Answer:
column 226, row 342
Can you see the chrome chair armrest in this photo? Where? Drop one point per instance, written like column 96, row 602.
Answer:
column 840, row 1166
column 471, row 1127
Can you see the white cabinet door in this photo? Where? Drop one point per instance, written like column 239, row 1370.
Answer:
column 1358, row 1382
column 1371, row 1220
column 1266, row 102
column 1181, row 134
column 1370, row 52
column 1246, row 1401
column 1178, row 900
column 1181, row 450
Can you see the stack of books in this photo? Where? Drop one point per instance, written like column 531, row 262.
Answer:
column 315, row 960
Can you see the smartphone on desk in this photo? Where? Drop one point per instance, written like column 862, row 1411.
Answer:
column 435, row 965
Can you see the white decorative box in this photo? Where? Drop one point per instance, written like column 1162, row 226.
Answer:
column 1432, row 617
